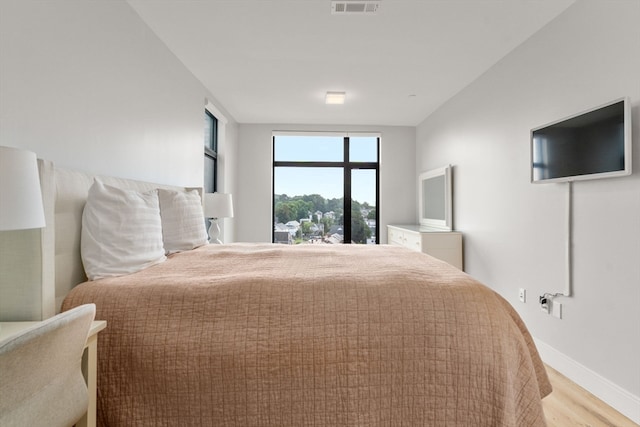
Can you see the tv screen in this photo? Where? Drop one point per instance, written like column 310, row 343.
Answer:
column 590, row 145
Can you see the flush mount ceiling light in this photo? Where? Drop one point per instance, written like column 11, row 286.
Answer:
column 334, row 98
column 354, row 7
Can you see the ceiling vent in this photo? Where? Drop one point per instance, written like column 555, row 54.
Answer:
column 354, row 7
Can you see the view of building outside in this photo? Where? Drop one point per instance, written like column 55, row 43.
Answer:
column 309, row 188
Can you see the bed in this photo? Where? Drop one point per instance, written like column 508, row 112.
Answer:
column 313, row 335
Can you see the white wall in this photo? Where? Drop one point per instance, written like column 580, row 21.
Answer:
column 89, row 86
column 255, row 167
column 515, row 231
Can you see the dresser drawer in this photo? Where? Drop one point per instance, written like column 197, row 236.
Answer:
column 395, row 236
column 413, row 241
column 408, row 239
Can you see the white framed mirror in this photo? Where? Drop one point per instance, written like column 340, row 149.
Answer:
column 435, row 199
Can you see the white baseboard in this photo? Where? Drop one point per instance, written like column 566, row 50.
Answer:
column 613, row 395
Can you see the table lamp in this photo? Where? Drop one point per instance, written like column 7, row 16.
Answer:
column 217, row 205
column 20, row 195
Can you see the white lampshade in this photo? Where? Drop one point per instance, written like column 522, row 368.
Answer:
column 20, row 194
column 218, row 205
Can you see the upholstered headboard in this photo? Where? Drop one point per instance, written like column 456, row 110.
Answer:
column 64, row 194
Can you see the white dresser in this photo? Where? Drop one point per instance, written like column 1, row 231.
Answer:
column 444, row 245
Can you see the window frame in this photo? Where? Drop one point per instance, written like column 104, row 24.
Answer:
column 211, row 149
column 346, row 164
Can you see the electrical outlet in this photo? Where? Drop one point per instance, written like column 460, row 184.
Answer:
column 556, row 309
column 522, row 295
column 544, row 304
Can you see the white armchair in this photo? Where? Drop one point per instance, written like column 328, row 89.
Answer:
column 41, row 382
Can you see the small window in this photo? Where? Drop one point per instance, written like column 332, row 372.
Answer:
column 363, row 149
column 210, row 152
column 309, row 149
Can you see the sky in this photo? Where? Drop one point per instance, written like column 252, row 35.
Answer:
column 326, row 181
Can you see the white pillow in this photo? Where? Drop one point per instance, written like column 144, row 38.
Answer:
column 183, row 226
column 121, row 231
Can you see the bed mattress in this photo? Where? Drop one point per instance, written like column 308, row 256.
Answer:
column 310, row 335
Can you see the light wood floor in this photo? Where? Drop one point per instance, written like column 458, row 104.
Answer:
column 570, row 405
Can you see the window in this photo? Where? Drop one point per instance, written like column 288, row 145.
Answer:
column 210, row 152
column 325, row 188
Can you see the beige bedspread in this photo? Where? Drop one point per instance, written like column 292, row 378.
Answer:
column 315, row 335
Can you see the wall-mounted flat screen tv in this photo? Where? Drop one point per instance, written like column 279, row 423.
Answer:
column 589, row 145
